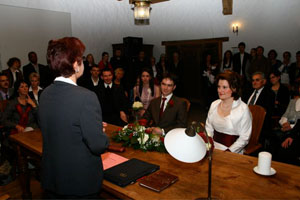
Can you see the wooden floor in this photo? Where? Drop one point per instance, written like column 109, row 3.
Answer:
column 14, row 190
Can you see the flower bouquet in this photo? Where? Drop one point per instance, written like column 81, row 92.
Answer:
column 138, row 137
column 136, row 107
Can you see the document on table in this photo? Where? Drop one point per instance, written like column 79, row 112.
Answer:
column 111, row 159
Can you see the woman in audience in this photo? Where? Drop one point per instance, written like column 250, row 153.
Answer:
column 227, row 63
column 88, row 64
column 274, row 63
column 282, row 94
column 146, row 90
column 35, row 90
column 229, row 120
column 119, row 74
column 20, row 113
column 13, row 72
column 71, row 125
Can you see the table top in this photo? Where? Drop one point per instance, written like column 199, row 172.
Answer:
column 232, row 175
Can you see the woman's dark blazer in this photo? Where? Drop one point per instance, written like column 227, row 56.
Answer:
column 71, row 124
column 283, row 97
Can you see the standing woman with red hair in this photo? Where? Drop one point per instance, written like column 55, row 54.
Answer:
column 71, row 124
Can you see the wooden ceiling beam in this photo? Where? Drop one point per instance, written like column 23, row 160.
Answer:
column 227, row 7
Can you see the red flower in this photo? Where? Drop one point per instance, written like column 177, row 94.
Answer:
column 143, row 122
column 162, row 139
column 130, row 125
column 130, row 136
column 119, row 129
column 171, row 103
column 148, row 131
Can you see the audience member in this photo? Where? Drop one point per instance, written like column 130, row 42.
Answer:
column 229, row 119
column 263, row 96
column 119, row 75
column 260, row 63
column 295, row 69
column 227, row 63
column 282, row 94
column 176, row 67
column 93, row 81
column 71, row 125
column 88, row 64
column 35, row 90
column 273, row 62
column 146, row 90
column 155, row 70
column 240, row 60
column 285, row 68
column 33, row 66
column 168, row 111
column 163, row 67
column 5, row 91
column 118, row 61
column 104, row 63
column 209, row 72
column 113, row 101
column 13, row 72
column 20, row 112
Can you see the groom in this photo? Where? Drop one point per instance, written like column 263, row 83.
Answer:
column 168, row 111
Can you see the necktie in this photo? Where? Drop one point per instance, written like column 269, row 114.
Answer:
column 253, row 98
column 161, row 111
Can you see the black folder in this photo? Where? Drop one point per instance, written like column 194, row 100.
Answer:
column 129, row 171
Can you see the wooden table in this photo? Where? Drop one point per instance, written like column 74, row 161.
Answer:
column 232, row 175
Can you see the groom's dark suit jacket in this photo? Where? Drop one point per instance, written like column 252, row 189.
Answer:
column 174, row 116
column 71, row 124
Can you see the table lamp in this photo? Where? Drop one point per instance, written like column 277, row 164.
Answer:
column 187, row 146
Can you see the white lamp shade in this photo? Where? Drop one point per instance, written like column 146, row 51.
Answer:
column 142, row 12
column 183, row 147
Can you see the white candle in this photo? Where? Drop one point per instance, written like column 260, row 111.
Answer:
column 264, row 162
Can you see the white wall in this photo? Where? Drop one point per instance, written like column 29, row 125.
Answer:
column 99, row 23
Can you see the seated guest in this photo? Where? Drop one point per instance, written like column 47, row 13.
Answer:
column 119, row 75
column 263, row 96
column 93, row 81
column 146, row 90
column 118, row 61
column 168, row 111
column 162, row 67
column 113, row 101
column 5, row 91
column 35, row 90
column 295, row 69
column 289, row 150
column 34, row 66
column 282, row 94
column 104, row 63
column 88, row 64
column 229, row 120
column 13, row 72
column 155, row 70
column 20, row 112
column 288, row 120
column 260, row 63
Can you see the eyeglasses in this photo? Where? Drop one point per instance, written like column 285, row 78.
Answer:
column 257, row 79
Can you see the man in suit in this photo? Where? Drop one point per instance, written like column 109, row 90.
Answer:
column 93, row 81
column 114, row 103
column 262, row 96
column 71, row 124
column 240, row 60
column 168, row 111
column 13, row 72
column 33, row 66
column 5, row 91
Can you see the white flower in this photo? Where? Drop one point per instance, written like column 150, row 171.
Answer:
column 137, row 105
column 145, row 138
column 125, row 127
column 155, row 139
column 141, row 129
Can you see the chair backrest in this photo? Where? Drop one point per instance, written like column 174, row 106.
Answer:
column 188, row 104
column 3, row 104
column 258, row 117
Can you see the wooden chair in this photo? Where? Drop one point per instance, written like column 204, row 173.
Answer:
column 258, row 117
column 188, row 104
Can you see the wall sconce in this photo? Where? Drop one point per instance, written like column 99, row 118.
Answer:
column 235, row 28
column 141, row 11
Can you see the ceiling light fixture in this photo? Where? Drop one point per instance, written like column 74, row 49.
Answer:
column 141, row 12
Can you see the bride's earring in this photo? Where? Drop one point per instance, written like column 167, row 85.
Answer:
column 76, row 70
